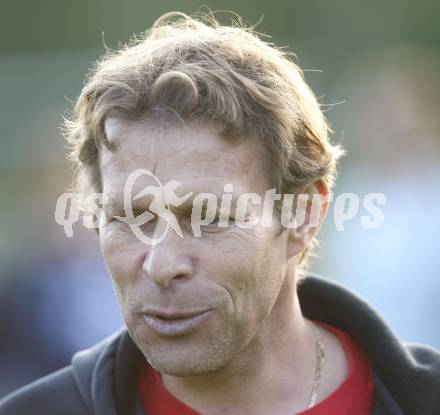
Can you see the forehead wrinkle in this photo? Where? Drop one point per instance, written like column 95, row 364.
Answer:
column 137, row 145
column 156, row 153
column 158, row 138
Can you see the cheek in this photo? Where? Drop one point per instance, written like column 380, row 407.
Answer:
column 248, row 267
column 264, row 273
column 123, row 256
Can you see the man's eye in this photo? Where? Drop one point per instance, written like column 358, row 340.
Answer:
column 224, row 222
column 147, row 218
column 109, row 219
column 114, row 220
column 216, row 220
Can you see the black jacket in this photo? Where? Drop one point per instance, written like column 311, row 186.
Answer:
column 102, row 380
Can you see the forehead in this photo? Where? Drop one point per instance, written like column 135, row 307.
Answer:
column 194, row 154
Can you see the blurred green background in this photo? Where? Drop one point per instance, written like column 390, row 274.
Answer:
column 376, row 67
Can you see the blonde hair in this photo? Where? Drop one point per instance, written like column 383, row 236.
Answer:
column 201, row 70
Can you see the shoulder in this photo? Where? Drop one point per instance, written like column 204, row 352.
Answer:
column 69, row 391
column 53, row 394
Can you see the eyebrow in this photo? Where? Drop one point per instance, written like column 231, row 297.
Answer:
column 116, row 206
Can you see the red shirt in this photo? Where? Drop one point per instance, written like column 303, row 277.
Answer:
column 353, row 396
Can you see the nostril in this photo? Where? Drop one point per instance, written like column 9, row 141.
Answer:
column 181, row 276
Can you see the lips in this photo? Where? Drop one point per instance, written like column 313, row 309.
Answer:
column 173, row 315
column 175, row 323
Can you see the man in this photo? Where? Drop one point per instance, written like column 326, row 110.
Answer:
column 222, row 320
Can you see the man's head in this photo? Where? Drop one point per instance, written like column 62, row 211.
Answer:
column 207, row 105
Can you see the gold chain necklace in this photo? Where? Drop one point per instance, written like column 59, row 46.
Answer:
column 320, row 358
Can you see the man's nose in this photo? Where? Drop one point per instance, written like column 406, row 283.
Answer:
column 168, row 260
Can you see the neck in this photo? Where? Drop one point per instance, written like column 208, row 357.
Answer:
column 265, row 374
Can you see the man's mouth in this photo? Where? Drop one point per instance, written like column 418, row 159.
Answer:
column 175, row 323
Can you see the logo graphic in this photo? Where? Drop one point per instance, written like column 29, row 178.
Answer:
column 297, row 212
column 163, row 197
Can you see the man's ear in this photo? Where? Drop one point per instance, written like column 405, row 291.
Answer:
column 314, row 199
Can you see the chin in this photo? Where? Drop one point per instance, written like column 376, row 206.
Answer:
column 198, row 353
column 185, row 364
